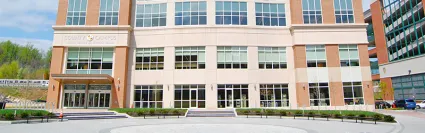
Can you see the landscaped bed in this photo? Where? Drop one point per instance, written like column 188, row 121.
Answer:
column 9, row 114
column 337, row 114
column 143, row 112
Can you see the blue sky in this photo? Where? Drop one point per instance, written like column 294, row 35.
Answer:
column 30, row 21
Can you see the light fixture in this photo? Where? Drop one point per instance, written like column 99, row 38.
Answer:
column 53, row 87
column 168, row 87
column 304, row 86
column 255, row 87
column 211, row 87
column 75, row 81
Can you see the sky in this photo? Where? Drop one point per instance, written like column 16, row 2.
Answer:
column 30, row 21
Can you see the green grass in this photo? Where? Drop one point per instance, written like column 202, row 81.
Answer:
column 136, row 112
column 5, row 112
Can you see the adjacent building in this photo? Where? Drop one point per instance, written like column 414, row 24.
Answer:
column 397, row 30
column 211, row 54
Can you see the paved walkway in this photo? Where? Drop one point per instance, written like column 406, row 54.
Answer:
column 204, row 125
column 410, row 121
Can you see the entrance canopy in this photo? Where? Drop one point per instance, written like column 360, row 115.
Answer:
column 83, row 78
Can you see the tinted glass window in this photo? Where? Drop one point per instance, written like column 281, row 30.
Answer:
column 409, row 101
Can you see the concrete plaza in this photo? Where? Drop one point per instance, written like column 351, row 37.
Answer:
column 409, row 122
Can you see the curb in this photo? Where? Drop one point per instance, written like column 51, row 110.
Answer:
column 30, row 121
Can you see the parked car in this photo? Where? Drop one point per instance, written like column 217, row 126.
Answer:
column 420, row 105
column 405, row 103
column 383, row 104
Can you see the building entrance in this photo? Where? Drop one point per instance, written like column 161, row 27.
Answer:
column 81, row 96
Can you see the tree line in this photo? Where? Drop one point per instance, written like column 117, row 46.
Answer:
column 23, row 62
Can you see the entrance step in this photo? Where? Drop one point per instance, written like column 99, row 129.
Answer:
column 91, row 115
column 211, row 113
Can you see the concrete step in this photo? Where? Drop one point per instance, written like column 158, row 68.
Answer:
column 95, row 117
column 87, row 113
column 210, row 113
column 91, row 115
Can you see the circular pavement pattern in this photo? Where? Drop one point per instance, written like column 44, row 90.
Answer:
column 207, row 128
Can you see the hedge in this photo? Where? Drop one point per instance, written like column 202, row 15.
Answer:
column 9, row 114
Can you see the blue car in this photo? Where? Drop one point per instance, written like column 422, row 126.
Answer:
column 405, row 103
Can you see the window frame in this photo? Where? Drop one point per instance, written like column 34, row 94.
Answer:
column 231, row 51
column 274, row 87
column 151, row 89
column 260, row 19
column 199, row 13
column 89, row 60
column 315, row 53
column 350, row 60
column 353, row 85
column 347, row 10
column 189, row 87
column 159, row 51
column 319, row 86
column 241, row 87
column 76, row 11
column 316, row 15
column 160, row 13
column 112, row 12
column 282, row 64
column 222, row 13
column 191, row 49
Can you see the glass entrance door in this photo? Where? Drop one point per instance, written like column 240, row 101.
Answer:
column 74, row 96
column 193, row 98
column 229, row 98
column 99, row 96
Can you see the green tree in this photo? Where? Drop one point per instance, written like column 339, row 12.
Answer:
column 29, row 56
column 9, row 52
column 9, row 70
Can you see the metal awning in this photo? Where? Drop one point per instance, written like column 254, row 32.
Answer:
column 73, row 78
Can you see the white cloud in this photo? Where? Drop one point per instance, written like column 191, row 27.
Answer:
column 38, row 43
column 28, row 15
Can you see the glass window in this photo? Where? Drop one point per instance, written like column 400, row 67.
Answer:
column 149, row 58
column 353, row 93
column 229, row 57
column 316, row 55
column 148, row 96
column 274, row 95
column 312, row 11
column 189, row 96
column 230, row 13
column 270, row 14
column 109, row 10
column 232, row 96
column 191, row 13
column 89, row 61
column 319, row 94
column 272, row 57
column 190, row 58
column 349, row 55
column 344, row 11
column 76, row 14
column 151, row 15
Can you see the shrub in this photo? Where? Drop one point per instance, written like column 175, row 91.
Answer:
column 388, row 118
column 362, row 116
column 377, row 117
column 9, row 117
column 50, row 114
column 311, row 113
column 37, row 114
column 298, row 112
column 140, row 113
column 24, row 115
column 269, row 112
column 337, row 115
column 164, row 111
column 176, row 112
column 257, row 112
column 350, row 116
column 282, row 113
column 324, row 114
column 245, row 112
column 152, row 112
